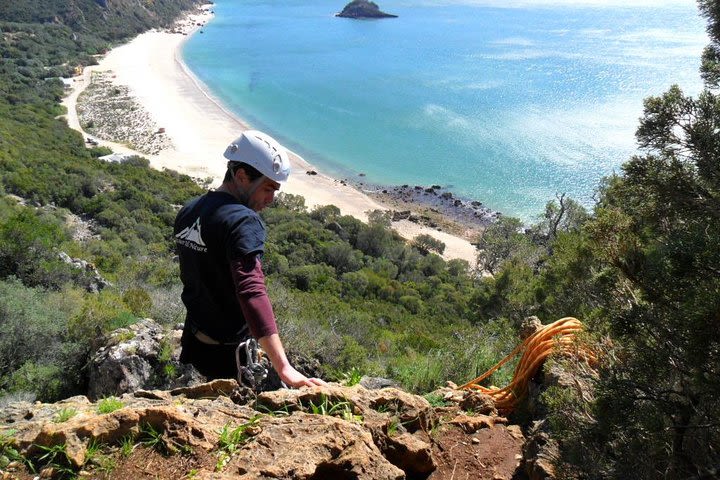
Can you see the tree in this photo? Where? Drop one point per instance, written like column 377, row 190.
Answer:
column 565, row 215
column 425, row 244
column 499, row 242
column 657, row 234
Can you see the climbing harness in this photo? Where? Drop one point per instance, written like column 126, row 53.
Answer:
column 559, row 335
column 253, row 371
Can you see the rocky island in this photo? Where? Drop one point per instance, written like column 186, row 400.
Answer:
column 363, row 9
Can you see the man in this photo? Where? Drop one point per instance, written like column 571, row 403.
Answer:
column 220, row 240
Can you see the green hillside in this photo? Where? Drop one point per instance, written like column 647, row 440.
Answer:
column 642, row 270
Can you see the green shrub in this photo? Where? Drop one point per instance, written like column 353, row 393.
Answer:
column 36, row 345
column 354, row 284
column 426, row 244
column 412, row 303
column 138, row 301
column 314, row 278
column 100, row 313
column 45, row 381
column 28, row 244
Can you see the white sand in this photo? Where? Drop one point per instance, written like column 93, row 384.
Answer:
column 200, row 129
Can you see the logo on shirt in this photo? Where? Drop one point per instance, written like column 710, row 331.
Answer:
column 191, row 237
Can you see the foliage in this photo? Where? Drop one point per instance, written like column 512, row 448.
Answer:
column 501, row 241
column 36, row 344
column 9, row 451
column 56, row 457
column 127, row 445
column 425, row 244
column 65, row 414
column 352, row 377
column 335, row 408
column 231, row 439
column 153, row 438
column 435, row 399
column 109, row 405
column 659, row 229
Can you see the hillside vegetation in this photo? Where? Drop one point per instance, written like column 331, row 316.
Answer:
column 642, row 270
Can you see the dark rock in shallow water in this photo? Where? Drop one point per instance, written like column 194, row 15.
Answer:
column 363, row 9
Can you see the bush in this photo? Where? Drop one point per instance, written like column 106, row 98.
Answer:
column 312, row 278
column 138, row 301
column 28, row 249
column 425, row 244
column 45, row 381
column 37, row 353
column 354, row 284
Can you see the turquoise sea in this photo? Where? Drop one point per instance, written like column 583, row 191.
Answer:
column 505, row 102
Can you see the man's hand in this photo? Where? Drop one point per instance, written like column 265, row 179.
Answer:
column 274, row 349
column 293, row 378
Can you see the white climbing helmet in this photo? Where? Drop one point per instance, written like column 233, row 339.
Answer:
column 261, row 152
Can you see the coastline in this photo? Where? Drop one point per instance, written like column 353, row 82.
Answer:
column 199, row 128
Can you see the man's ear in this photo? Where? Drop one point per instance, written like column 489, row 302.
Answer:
column 241, row 176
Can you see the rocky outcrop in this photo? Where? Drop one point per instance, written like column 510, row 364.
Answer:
column 363, row 9
column 310, row 435
column 95, row 281
column 330, row 432
column 541, row 452
column 140, row 357
column 324, row 432
column 397, row 421
column 313, row 446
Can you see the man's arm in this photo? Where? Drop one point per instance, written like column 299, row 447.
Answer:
column 255, row 304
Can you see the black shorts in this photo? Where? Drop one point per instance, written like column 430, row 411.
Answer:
column 212, row 361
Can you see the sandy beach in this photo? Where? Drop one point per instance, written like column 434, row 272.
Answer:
column 200, row 128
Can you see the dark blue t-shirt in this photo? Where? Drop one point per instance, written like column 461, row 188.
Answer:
column 210, row 232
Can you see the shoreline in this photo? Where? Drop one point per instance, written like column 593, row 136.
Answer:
column 199, row 127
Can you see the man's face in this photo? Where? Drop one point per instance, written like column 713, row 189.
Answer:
column 263, row 195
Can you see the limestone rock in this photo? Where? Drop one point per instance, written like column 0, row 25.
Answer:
column 183, row 421
column 410, row 453
column 209, row 389
column 529, row 326
column 414, row 412
column 377, row 410
column 376, row 383
column 540, row 453
column 130, row 361
column 304, row 446
column 477, row 402
column 473, row 423
column 109, row 111
column 94, row 282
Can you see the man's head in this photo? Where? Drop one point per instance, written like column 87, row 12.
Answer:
column 257, row 165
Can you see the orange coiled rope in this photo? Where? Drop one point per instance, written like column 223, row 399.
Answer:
column 557, row 336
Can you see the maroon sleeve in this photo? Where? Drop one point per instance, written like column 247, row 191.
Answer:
column 251, row 293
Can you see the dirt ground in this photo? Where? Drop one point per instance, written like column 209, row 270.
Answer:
column 488, row 454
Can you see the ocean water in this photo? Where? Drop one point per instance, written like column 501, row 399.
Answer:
column 508, row 103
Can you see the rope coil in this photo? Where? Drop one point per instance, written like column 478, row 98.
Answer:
column 535, row 349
